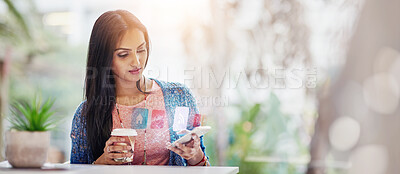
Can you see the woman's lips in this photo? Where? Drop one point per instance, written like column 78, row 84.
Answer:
column 135, row 71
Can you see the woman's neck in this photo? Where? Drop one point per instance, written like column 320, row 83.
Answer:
column 128, row 94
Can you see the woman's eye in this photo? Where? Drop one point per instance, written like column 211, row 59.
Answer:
column 141, row 51
column 122, row 54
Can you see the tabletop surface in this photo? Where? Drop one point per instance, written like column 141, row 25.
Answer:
column 5, row 167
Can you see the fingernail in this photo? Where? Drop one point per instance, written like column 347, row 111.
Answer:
column 122, row 139
column 129, row 147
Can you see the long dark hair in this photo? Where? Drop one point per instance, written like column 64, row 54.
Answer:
column 100, row 91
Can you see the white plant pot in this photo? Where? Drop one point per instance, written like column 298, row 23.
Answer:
column 26, row 149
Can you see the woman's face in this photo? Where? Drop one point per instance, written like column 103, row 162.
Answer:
column 129, row 57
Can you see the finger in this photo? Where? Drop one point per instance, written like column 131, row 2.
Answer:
column 107, row 149
column 122, row 140
column 118, row 155
column 119, row 148
column 189, row 143
column 110, row 161
column 112, row 156
column 188, row 152
column 187, row 155
column 190, row 149
column 191, row 153
column 113, row 139
column 196, row 140
column 182, row 147
column 121, row 155
column 174, row 149
column 125, row 140
column 109, row 142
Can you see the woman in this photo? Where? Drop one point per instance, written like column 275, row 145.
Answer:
column 116, row 91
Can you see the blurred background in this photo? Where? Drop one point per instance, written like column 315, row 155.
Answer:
column 289, row 86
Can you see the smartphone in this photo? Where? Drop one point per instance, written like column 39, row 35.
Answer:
column 199, row 131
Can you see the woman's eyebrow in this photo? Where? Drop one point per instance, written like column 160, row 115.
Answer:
column 141, row 44
column 123, row 49
column 128, row 49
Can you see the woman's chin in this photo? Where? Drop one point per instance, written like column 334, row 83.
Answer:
column 132, row 77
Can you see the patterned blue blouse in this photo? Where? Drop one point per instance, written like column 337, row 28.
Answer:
column 175, row 95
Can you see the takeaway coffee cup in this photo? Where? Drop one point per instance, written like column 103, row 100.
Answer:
column 126, row 133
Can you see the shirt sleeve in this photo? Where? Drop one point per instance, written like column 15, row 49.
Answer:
column 79, row 148
column 192, row 113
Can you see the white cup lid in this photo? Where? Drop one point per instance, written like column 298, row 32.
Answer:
column 124, row 132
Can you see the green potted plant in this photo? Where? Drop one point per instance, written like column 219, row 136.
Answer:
column 28, row 140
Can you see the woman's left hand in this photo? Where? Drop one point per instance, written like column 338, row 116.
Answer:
column 191, row 150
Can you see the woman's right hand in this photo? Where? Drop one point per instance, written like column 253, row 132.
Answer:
column 113, row 150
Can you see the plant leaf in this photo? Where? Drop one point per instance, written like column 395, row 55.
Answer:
column 19, row 117
column 34, row 115
column 44, row 113
column 19, row 17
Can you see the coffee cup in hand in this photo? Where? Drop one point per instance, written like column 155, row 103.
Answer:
column 125, row 133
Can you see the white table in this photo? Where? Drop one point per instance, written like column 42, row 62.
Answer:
column 6, row 168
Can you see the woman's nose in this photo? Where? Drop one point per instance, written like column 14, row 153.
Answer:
column 134, row 62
